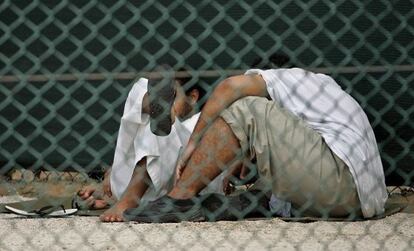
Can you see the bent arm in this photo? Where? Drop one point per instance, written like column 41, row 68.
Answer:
column 227, row 92
column 223, row 96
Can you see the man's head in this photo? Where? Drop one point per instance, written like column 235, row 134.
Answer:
column 170, row 97
column 188, row 94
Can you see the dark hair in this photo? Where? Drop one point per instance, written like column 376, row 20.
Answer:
column 190, row 82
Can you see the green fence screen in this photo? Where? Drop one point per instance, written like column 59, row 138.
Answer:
column 66, row 67
column 66, row 70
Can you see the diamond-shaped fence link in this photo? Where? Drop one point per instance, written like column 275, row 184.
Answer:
column 73, row 77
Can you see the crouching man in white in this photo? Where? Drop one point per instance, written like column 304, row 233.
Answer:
column 312, row 141
column 144, row 164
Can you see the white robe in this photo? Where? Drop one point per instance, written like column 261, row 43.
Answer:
column 136, row 141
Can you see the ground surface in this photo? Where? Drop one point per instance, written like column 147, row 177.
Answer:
column 87, row 233
column 395, row 232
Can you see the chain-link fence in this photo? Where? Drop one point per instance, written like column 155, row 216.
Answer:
column 67, row 67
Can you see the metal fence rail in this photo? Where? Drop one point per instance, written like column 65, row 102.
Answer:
column 65, row 68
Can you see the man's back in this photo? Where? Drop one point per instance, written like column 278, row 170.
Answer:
column 338, row 118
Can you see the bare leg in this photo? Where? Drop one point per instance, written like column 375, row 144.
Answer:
column 218, row 150
column 136, row 189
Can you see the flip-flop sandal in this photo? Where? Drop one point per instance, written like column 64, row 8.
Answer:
column 48, row 211
column 161, row 93
column 48, row 205
column 166, row 209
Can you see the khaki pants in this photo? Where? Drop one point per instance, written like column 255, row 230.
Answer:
column 293, row 159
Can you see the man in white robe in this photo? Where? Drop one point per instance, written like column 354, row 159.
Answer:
column 144, row 164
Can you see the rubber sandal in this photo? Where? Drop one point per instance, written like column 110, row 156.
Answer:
column 166, row 209
column 48, row 211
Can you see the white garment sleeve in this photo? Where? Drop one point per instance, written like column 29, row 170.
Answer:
column 133, row 105
column 132, row 124
column 269, row 80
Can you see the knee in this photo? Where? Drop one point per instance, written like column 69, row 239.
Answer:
column 220, row 133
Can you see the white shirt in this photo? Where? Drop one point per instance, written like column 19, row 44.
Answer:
column 338, row 118
column 136, row 141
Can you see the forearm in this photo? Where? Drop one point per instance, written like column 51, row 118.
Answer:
column 222, row 97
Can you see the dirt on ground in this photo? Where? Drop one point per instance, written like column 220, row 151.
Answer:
column 44, row 183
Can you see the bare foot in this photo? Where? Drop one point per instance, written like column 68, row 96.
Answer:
column 114, row 214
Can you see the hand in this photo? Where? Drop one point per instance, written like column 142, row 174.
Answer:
column 86, row 192
column 183, row 160
column 91, row 198
column 239, row 171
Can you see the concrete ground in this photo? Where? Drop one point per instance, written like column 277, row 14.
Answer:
column 395, row 232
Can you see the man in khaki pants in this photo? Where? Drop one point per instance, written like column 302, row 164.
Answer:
column 312, row 142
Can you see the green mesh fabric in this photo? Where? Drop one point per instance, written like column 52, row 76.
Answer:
column 66, row 66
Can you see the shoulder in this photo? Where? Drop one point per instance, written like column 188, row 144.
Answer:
column 250, row 78
column 247, row 85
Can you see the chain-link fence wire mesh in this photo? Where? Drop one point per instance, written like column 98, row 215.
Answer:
column 67, row 67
